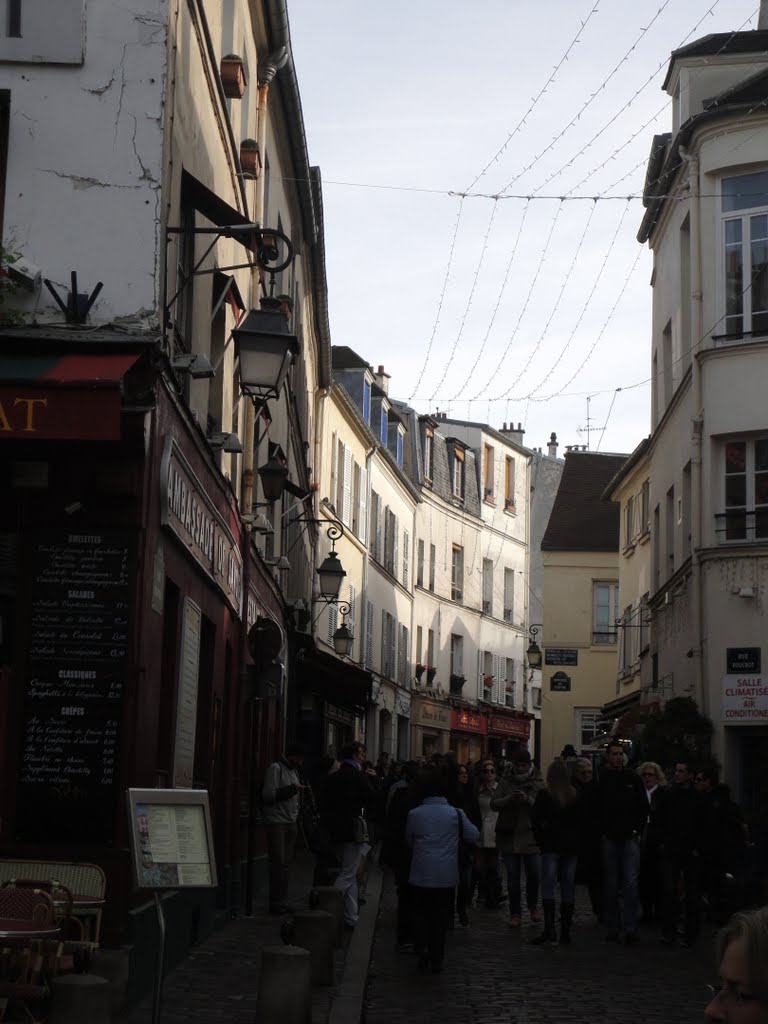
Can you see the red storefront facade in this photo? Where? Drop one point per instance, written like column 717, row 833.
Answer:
column 488, row 731
column 127, row 585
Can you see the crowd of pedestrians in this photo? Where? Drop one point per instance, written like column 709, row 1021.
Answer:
column 649, row 851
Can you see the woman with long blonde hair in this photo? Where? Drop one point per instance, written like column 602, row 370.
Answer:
column 556, row 820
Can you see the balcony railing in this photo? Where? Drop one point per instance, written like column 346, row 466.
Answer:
column 742, row 524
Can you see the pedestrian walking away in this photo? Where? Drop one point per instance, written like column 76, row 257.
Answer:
column 556, row 825
column 281, row 796
column 434, row 831
column 513, row 800
column 348, row 792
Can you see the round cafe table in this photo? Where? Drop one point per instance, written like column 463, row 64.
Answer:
column 16, row 928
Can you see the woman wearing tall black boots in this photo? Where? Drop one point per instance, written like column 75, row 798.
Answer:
column 556, row 825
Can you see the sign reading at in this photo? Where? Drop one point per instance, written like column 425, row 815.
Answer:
column 742, row 660
column 745, row 700
column 560, row 683
column 77, row 652
column 561, row 656
column 71, row 414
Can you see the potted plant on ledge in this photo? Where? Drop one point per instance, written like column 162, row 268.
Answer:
column 457, row 683
column 250, row 157
column 419, row 671
column 233, row 78
column 431, row 673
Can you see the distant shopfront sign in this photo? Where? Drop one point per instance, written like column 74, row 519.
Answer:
column 469, row 721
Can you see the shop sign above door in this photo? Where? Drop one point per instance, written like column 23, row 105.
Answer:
column 191, row 515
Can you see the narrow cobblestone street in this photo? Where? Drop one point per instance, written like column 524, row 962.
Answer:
column 494, row 976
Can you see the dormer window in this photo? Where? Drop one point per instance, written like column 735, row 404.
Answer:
column 384, row 425
column 458, row 473
column 367, row 401
column 428, row 437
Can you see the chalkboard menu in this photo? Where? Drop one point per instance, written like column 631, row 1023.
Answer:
column 76, row 661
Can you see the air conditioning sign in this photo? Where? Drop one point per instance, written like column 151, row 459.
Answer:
column 745, row 699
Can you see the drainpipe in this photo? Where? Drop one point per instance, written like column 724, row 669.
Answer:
column 267, row 71
column 697, row 424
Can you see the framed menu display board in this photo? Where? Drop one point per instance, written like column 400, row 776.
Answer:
column 77, row 621
column 171, row 839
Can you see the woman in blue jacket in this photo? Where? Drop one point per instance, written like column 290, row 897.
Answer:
column 433, row 831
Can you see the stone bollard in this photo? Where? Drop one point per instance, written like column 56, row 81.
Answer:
column 80, row 997
column 313, row 930
column 285, row 986
column 326, row 897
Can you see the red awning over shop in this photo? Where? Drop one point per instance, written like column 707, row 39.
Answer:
column 74, row 397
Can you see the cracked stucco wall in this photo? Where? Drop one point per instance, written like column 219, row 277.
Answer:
column 85, row 159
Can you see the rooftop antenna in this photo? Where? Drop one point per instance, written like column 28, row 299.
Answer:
column 589, row 429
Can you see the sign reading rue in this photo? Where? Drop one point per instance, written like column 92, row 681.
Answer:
column 560, row 683
column 742, row 660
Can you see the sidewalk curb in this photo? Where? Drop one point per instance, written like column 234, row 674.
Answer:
column 347, row 1006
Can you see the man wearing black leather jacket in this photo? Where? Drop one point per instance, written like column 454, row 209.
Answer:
column 622, row 811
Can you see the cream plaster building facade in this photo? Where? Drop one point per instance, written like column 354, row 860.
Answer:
column 580, row 553
column 707, row 224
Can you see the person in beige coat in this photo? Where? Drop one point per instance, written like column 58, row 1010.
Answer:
column 513, row 799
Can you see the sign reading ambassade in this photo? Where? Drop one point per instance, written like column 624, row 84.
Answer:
column 193, row 517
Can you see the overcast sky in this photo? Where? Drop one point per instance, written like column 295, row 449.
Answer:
column 516, row 309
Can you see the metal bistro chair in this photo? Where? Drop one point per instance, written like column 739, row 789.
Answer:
column 61, row 897
column 26, row 915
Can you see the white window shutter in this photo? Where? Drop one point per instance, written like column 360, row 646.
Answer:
column 392, row 647
column 380, row 549
column 496, row 669
column 384, row 643
column 363, row 512
column 352, row 619
column 333, row 616
column 369, row 636
column 480, row 667
column 346, row 508
column 404, row 676
column 406, row 555
column 334, row 468
column 395, row 546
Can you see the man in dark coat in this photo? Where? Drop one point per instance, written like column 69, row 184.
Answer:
column 622, row 810
column 348, row 792
column 677, row 820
